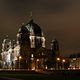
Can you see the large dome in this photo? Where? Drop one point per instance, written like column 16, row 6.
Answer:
column 31, row 28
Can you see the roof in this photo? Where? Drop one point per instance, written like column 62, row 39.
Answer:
column 31, row 28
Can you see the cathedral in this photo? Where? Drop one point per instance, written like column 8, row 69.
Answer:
column 22, row 54
column 28, row 50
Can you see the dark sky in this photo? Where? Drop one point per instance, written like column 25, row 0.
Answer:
column 58, row 19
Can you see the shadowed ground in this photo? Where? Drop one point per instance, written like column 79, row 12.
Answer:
column 42, row 75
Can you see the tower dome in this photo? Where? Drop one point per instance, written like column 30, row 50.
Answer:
column 31, row 28
column 30, row 34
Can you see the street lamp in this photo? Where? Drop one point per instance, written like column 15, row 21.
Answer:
column 37, row 63
column 63, row 61
column 58, row 59
column 20, row 57
column 57, row 63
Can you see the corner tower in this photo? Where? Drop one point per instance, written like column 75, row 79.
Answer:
column 55, row 47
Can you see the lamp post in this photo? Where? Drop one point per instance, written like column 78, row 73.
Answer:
column 63, row 61
column 57, row 63
column 37, row 64
column 20, row 61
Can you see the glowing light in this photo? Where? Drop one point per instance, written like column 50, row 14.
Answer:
column 74, row 58
column 68, row 68
column 37, row 59
column 32, row 55
column 74, row 68
column 43, row 42
column 20, row 57
column 32, row 41
column 63, row 60
column 46, row 67
column 58, row 59
column 33, row 68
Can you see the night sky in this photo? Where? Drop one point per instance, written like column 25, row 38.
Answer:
column 58, row 19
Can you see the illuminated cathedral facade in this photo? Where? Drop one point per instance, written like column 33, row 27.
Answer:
column 22, row 54
column 28, row 51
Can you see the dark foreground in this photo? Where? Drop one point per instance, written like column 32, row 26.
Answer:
column 42, row 75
